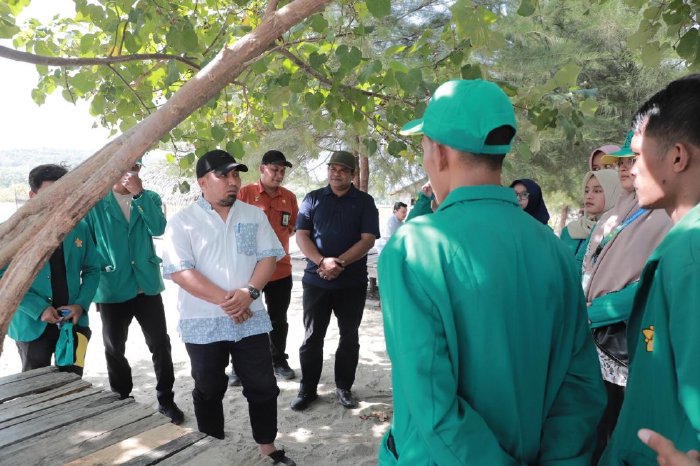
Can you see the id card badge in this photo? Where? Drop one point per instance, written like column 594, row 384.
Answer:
column 286, row 216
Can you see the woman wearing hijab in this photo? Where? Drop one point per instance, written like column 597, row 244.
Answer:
column 529, row 195
column 595, row 160
column 601, row 189
column 619, row 246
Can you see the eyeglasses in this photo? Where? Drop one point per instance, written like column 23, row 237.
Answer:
column 522, row 196
column 627, row 162
column 607, row 166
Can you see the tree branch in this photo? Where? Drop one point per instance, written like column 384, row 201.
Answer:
column 55, row 211
column 26, row 57
column 309, row 70
column 270, row 10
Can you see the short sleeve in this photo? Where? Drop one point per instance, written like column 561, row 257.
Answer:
column 267, row 243
column 177, row 249
column 370, row 217
column 305, row 219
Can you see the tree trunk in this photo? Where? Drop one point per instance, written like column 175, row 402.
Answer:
column 29, row 237
column 364, row 173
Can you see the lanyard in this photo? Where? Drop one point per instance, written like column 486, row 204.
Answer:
column 610, row 236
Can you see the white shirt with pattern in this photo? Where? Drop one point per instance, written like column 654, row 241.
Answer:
column 226, row 253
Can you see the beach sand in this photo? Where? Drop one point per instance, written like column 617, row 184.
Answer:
column 324, row 434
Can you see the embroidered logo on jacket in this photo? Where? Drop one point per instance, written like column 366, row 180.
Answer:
column 78, row 243
column 649, row 338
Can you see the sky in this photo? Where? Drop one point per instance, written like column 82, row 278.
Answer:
column 55, row 124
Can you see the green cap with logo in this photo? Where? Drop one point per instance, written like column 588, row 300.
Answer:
column 462, row 113
column 625, row 151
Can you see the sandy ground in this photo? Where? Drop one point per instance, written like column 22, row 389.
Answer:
column 325, row 434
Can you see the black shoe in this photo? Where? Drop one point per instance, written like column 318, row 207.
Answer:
column 303, row 400
column 345, row 398
column 234, row 380
column 283, row 371
column 173, row 412
column 279, row 457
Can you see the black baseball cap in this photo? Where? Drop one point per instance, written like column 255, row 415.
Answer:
column 275, row 157
column 219, row 161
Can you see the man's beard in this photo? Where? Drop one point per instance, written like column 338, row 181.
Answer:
column 227, row 201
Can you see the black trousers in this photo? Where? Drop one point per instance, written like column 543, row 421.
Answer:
column 348, row 304
column 149, row 313
column 37, row 353
column 253, row 364
column 278, row 294
column 616, row 395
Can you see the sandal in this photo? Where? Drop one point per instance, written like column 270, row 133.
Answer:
column 279, row 457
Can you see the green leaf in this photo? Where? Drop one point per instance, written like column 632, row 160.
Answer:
column 346, row 112
column 316, row 60
column 218, row 133
column 370, row 146
column 396, row 147
column 318, row 24
column 7, row 29
column 235, row 148
column 38, row 97
column 527, row 7
column 313, row 100
column 132, row 43
column 379, row 8
column 688, row 46
column 83, row 82
column 410, row 81
column 567, row 76
column 589, row 106
column 183, row 187
column 97, row 106
column 471, row 72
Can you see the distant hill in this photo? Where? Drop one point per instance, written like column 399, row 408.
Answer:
column 16, row 163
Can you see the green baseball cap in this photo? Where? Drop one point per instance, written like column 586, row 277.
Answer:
column 625, row 151
column 344, row 158
column 462, row 113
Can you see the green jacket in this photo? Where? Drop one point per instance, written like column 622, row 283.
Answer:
column 485, row 326
column 577, row 246
column 82, row 276
column 129, row 260
column 663, row 389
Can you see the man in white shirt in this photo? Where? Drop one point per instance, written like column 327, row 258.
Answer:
column 397, row 218
column 222, row 253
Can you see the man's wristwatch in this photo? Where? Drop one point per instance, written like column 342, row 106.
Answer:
column 253, row 292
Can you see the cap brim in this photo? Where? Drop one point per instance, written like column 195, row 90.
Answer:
column 613, row 157
column 231, row 166
column 341, row 163
column 412, row 128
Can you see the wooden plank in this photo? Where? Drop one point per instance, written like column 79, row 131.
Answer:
column 59, row 416
column 24, row 412
column 188, row 456
column 83, row 438
column 27, row 375
column 51, row 408
column 37, row 384
column 23, row 405
column 165, row 451
column 133, row 448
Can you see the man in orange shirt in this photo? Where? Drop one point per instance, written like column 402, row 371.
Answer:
column 280, row 206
